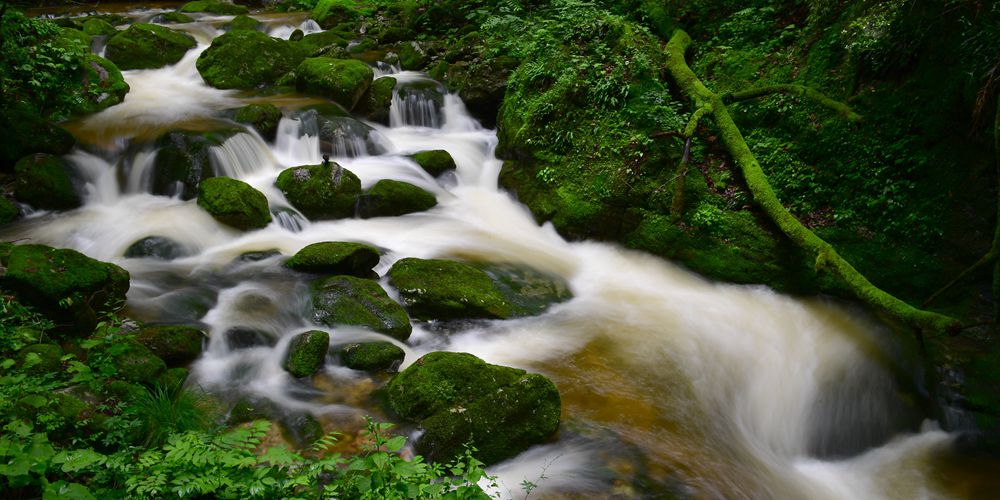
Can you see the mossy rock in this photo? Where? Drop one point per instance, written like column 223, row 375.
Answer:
column 124, row 391
column 336, row 257
column 347, row 300
column 103, row 84
column 184, row 160
column 297, row 35
column 247, row 60
column 372, row 356
column 75, row 35
column 8, row 211
column 245, row 23
column 529, row 291
column 343, row 80
column 39, row 359
column 306, row 353
column 28, row 133
column 155, row 247
column 301, row 429
column 412, row 56
column 146, row 46
column 314, row 42
column 263, row 117
column 137, row 363
column 173, row 18
column 43, row 181
column 435, row 161
column 173, row 379
column 98, row 27
column 177, row 346
column 234, row 203
column 376, row 101
column 445, row 290
column 68, row 287
column 325, row 191
column 459, row 399
column 249, row 409
column 214, row 7
column 482, row 86
column 390, row 198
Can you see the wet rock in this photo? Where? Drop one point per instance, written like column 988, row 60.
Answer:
column 306, row 353
column 26, row 133
column 136, row 363
column 245, row 23
column 372, row 356
column 246, row 338
column 173, row 18
column 346, row 300
column 445, row 290
column 263, row 117
column 434, row 162
column 234, row 203
column 482, row 86
column 97, row 27
column 39, row 359
column 422, row 102
column 249, row 409
column 214, row 7
column 155, row 247
column 257, row 255
column 336, row 257
column 103, row 83
column 338, row 132
column 248, row 59
column 412, row 56
column 66, row 286
column 145, row 46
column 176, row 345
column 376, row 101
column 301, row 429
column 529, row 291
column 389, row 198
column 325, row 191
column 8, row 211
column 459, row 399
column 296, row 35
column 43, row 181
column 184, row 160
column 317, row 42
column 343, row 80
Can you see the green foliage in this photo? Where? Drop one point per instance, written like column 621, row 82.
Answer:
column 161, row 412
column 20, row 325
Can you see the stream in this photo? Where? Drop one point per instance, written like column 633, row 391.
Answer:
column 670, row 384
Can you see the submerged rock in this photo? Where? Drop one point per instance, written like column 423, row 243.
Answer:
column 336, row 257
column 459, row 399
column 445, row 289
column 372, row 356
column 155, row 247
column 347, row 300
column 146, row 46
column 390, row 198
column 529, row 291
column 177, row 346
column 339, row 132
column 214, row 7
column 263, row 117
column 245, row 338
column 324, row 191
column 306, row 353
column 247, row 59
column 435, row 161
column 43, row 181
column 343, row 80
column 234, row 203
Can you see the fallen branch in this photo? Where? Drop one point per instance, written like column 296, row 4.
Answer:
column 797, row 90
column 677, row 202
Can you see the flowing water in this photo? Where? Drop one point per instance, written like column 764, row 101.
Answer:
column 670, row 384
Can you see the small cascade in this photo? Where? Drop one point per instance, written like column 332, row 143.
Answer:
column 417, row 102
column 290, row 220
column 241, row 155
column 99, row 176
column 294, row 145
column 284, row 31
column 139, row 172
column 383, row 68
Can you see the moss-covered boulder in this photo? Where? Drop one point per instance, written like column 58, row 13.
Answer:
column 40, row 359
column 435, row 161
column 529, row 291
column 184, row 160
column 172, row 18
column 68, row 287
column 145, row 46
column 372, row 356
column 325, row 40
column 244, row 22
column 306, row 353
column 74, row 35
column 343, row 80
column 98, row 27
column 336, row 257
column 376, row 101
column 459, row 399
column 263, row 117
column 8, row 211
column 339, row 132
column 26, row 133
column 155, row 247
column 43, row 181
column 176, row 345
column 445, row 290
column 412, row 56
column 136, row 363
column 234, row 203
column 247, row 60
column 347, row 300
column 325, row 191
column 214, row 7
column 390, row 198
column 103, row 84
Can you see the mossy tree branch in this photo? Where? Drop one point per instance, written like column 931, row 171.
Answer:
column 677, row 202
column 826, row 257
column 797, row 90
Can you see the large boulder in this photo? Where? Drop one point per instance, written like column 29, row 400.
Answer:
column 145, row 46
column 390, row 198
column 444, row 290
column 43, row 181
column 263, row 117
column 247, row 60
column 336, row 257
column 324, row 191
column 435, row 161
column 184, row 160
column 372, row 356
column 103, row 84
column 343, row 80
column 459, row 399
column 347, row 300
column 176, row 345
column 376, row 101
column 306, row 353
column 244, row 22
column 234, row 203
column 214, row 7
column 68, row 287
column 98, row 27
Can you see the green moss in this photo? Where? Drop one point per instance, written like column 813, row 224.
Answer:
column 234, row 203
column 144, row 46
column 245, row 23
column 75, row 35
column 103, row 85
column 343, row 80
column 434, row 162
column 320, row 191
column 390, row 198
column 177, row 346
column 372, row 356
column 529, row 291
column 306, row 353
column 444, row 289
column 173, row 379
column 263, row 117
column 248, row 59
column 411, row 57
column 43, row 181
column 374, row 104
column 40, row 359
column 8, row 211
column 136, row 363
column 214, row 7
column 176, row 18
column 347, row 300
column 336, row 257
column 316, row 41
column 94, row 27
